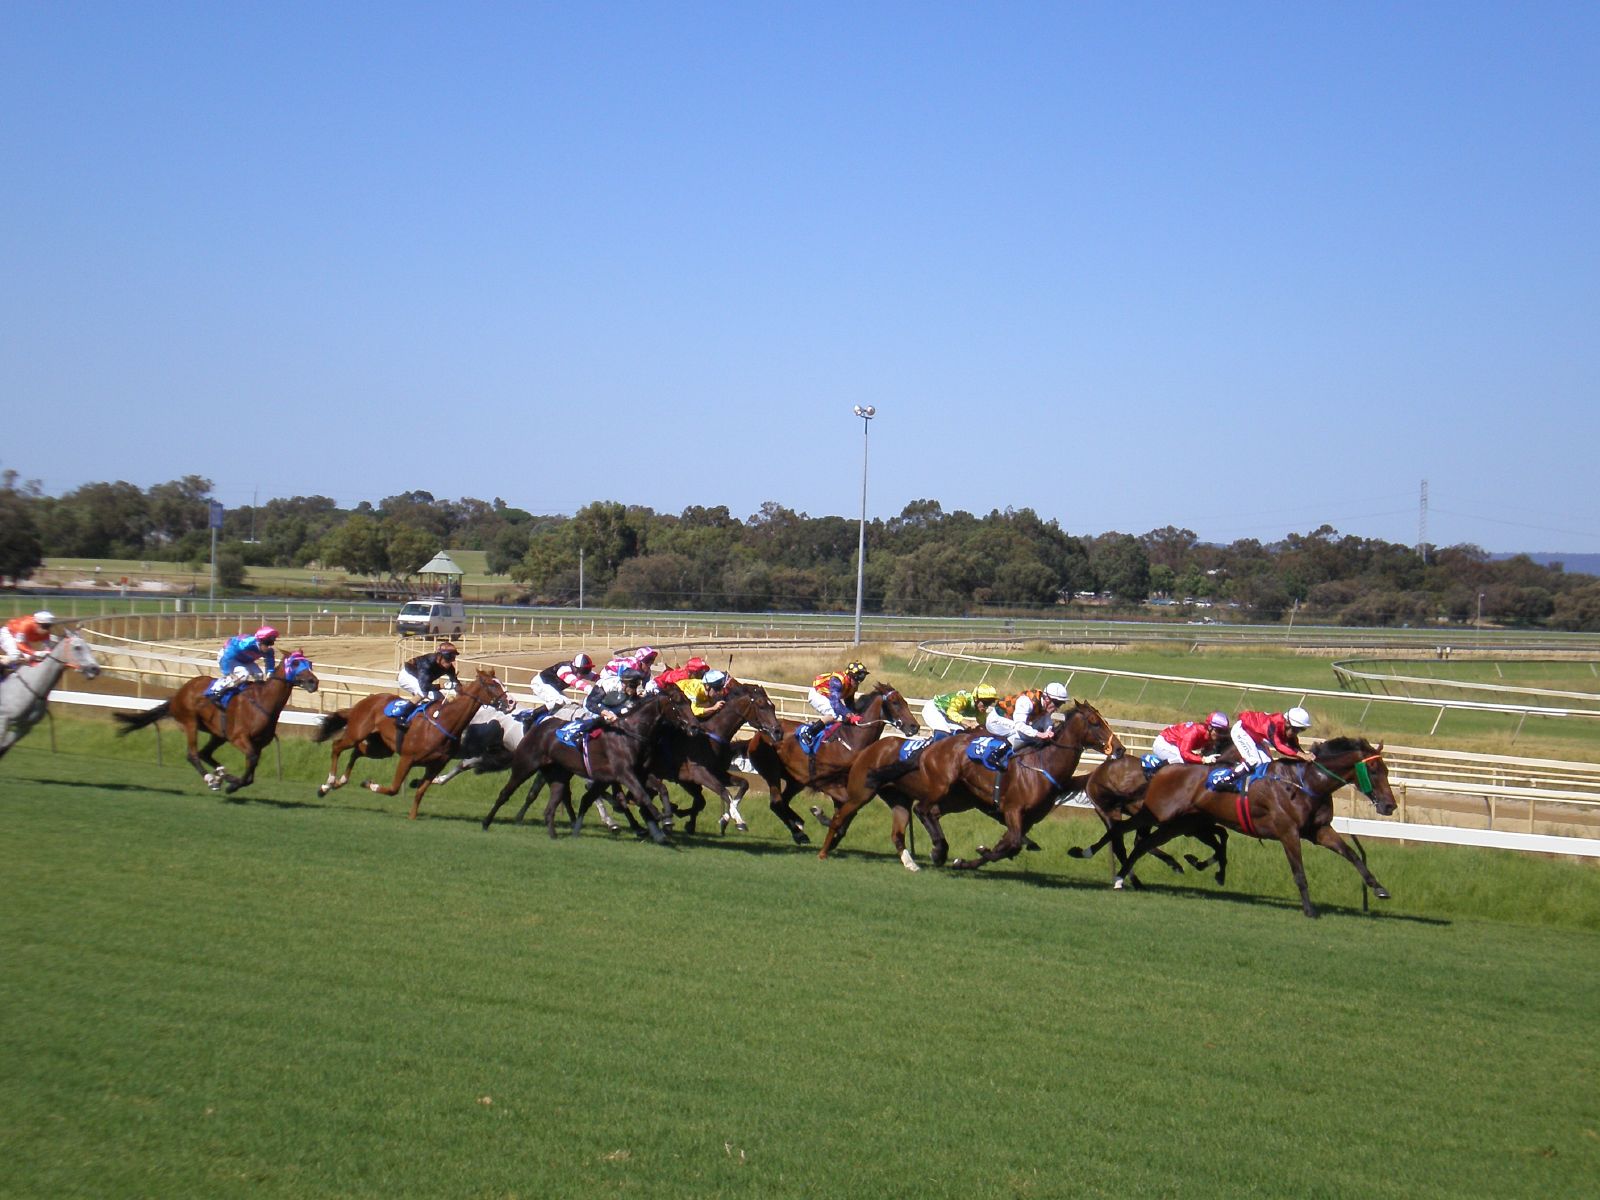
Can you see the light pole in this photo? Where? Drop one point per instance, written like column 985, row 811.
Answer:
column 1480, row 612
column 866, row 414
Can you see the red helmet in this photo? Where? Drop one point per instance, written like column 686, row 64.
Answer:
column 697, row 666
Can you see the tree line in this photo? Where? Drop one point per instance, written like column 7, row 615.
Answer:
column 925, row 561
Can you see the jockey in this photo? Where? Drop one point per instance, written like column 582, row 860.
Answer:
column 705, row 694
column 833, row 695
column 26, row 639
column 1257, row 734
column 615, row 697
column 577, row 673
column 1192, row 741
column 695, row 668
column 241, row 659
column 421, row 675
column 956, row 711
column 1024, row 719
column 641, row 659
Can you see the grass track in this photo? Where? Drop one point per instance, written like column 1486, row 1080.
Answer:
column 286, row 997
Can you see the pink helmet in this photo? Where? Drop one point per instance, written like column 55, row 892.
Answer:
column 648, row 654
column 1218, row 720
column 266, row 634
column 582, row 661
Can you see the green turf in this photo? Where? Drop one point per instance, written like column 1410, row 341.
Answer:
column 296, row 997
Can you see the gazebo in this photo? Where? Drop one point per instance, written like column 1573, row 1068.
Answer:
column 441, row 569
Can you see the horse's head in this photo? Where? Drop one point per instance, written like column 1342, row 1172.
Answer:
column 486, row 688
column 76, row 654
column 1358, row 761
column 1083, row 725
column 885, row 703
column 296, row 670
column 757, row 709
column 677, row 709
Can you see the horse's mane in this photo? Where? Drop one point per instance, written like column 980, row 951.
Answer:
column 1334, row 747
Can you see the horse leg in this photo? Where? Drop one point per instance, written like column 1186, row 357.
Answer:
column 533, row 794
column 428, row 772
column 1329, row 837
column 1143, row 844
column 938, row 847
column 731, row 804
column 779, row 803
column 1091, row 851
column 203, row 760
column 897, row 834
column 1291, row 849
column 400, row 770
column 697, row 804
column 512, row 785
column 844, row 812
column 1009, row 845
column 640, row 796
column 592, row 796
column 335, row 779
column 252, row 755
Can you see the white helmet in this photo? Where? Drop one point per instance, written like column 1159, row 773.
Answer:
column 44, row 617
column 1298, row 718
column 1057, row 691
column 715, row 678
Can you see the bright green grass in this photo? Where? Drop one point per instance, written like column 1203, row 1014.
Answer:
column 299, row 998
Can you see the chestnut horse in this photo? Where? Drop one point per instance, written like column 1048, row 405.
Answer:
column 942, row 779
column 1292, row 803
column 428, row 740
column 249, row 723
column 787, row 768
column 615, row 757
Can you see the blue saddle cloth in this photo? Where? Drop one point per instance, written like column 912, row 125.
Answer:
column 571, row 734
column 1220, row 779
column 398, row 707
column 224, row 698
column 809, row 742
column 911, row 747
column 991, row 752
column 1151, row 764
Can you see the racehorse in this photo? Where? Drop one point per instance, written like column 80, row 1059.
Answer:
column 943, row 779
column 1292, row 803
column 1116, row 790
column 695, row 763
column 615, row 757
column 25, row 692
column 248, row 723
column 427, row 741
column 787, row 768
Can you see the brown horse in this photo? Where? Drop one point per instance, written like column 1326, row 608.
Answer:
column 428, row 740
column 249, row 723
column 615, row 757
column 1116, row 790
column 787, row 768
column 1292, row 803
column 942, row 779
column 696, row 763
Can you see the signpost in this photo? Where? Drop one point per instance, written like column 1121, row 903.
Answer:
column 216, row 523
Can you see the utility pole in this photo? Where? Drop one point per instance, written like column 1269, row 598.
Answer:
column 866, row 414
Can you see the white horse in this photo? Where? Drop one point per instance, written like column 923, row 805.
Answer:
column 25, row 692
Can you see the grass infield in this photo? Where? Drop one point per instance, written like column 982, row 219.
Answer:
column 294, row 997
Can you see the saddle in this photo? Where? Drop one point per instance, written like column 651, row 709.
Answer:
column 1221, row 779
column 991, row 752
column 397, row 708
column 571, row 735
column 813, row 735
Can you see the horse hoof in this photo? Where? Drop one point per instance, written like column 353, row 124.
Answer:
column 1077, row 852
column 908, row 862
column 1117, row 884
column 611, row 827
column 322, row 789
column 800, row 838
column 1381, row 893
column 741, row 827
column 722, row 824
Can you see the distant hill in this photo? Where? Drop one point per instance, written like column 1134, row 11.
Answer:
column 1574, row 564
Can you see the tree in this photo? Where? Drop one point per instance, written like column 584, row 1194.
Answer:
column 359, row 545
column 20, row 548
column 409, row 549
column 1121, row 566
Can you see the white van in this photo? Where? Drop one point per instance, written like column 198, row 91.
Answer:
column 433, row 618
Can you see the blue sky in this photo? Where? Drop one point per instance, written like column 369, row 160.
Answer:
column 1238, row 267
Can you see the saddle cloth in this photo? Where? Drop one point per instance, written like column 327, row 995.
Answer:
column 810, row 743
column 991, row 752
column 912, row 747
column 1220, row 779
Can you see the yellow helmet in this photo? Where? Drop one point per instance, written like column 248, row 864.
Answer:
column 985, row 691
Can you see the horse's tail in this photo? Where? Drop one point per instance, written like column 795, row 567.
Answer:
column 330, row 725
column 132, row 721
column 889, row 772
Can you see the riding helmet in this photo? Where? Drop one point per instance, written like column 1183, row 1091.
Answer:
column 266, row 634
column 715, row 678
column 857, row 670
column 1057, row 691
column 1298, row 718
column 985, row 692
column 632, row 675
column 582, row 661
column 44, row 617
column 446, row 650
column 1218, row 720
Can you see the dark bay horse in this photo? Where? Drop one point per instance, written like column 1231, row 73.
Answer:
column 428, row 741
column 1116, row 790
column 249, row 723
column 944, row 780
column 1292, row 803
column 616, row 757
column 787, row 768
column 696, row 763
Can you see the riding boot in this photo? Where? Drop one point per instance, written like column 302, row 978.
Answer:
column 811, row 729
